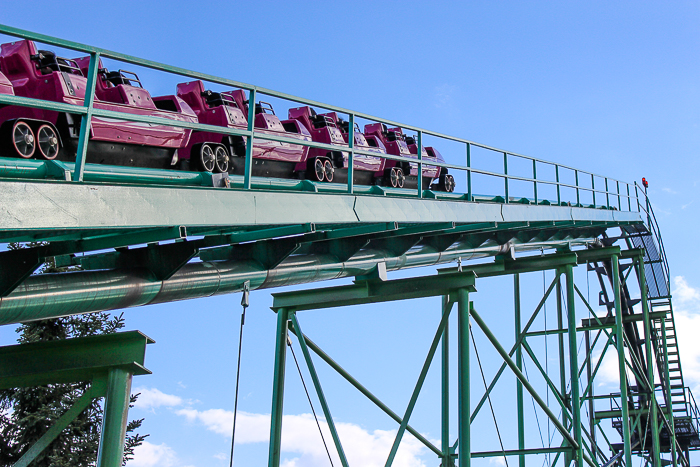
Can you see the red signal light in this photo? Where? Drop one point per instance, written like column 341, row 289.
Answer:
column 645, row 183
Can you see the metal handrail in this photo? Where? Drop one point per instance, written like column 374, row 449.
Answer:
column 618, row 191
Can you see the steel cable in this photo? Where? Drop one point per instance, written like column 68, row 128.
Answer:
column 289, row 343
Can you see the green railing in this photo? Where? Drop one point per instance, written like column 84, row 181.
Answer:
column 613, row 194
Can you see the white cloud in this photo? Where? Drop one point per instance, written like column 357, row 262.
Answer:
column 300, row 437
column 498, row 461
column 150, row 455
column 150, row 398
column 687, row 317
column 443, row 95
column 670, row 191
column 609, row 372
column 685, row 294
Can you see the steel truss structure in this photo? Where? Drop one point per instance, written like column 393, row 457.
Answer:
column 135, row 247
column 649, row 426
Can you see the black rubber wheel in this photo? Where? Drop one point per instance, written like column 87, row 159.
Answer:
column 47, row 141
column 329, row 170
column 207, row 158
column 23, row 140
column 221, row 155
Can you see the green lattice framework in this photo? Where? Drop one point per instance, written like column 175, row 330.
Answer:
column 359, row 231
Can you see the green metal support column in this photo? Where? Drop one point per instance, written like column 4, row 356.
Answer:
column 562, row 361
column 573, row 362
column 445, row 446
column 519, row 363
column 589, row 391
column 656, row 455
column 278, row 387
column 319, row 391
column 464, row 408
column 116, row 410
column 620, row 343
column 669, row 407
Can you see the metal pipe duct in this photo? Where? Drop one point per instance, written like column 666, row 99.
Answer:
column 54, row 295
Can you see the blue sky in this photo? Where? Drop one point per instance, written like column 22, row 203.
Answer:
column 610, row 87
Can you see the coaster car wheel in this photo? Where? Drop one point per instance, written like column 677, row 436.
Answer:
column 449, row 183
column 47, row 142
column 22, row 138
column 329, row 170
column 319, row 170
column 221, row 155
column 207, row 158
column 446, row 183
column 396, row 177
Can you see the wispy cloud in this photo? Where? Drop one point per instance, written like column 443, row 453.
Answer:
column 300, row 437
column 151, row 398
column 687, row 317
column 670, row 191
column 151, row 455
column 443, row 95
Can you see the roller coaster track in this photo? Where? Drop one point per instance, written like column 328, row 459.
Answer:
column 143, row 236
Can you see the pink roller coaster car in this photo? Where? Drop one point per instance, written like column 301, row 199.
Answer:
column 230, row 109
column 43, row 75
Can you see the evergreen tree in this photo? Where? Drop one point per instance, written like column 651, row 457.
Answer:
column 27, row 413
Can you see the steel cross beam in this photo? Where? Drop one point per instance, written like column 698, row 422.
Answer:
column 374, row 291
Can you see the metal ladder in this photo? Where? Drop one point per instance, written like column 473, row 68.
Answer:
column 676, row 396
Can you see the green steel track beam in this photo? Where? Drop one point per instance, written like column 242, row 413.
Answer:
column 45, row 206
